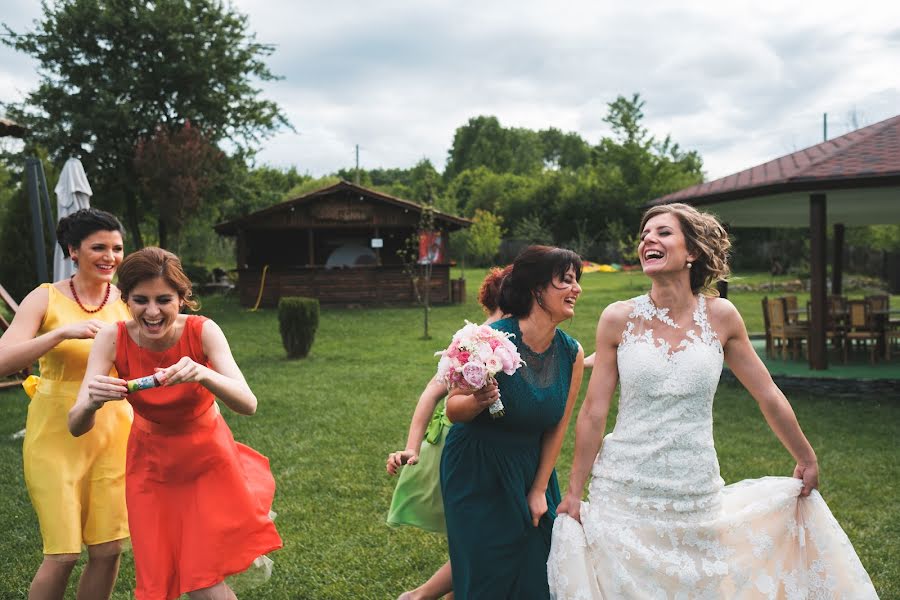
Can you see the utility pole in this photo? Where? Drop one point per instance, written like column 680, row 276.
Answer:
column 357, row 164
column 824, row 127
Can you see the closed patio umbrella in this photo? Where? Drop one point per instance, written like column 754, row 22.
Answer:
column 73, row 192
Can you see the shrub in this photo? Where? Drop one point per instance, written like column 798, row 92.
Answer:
column 298, row 319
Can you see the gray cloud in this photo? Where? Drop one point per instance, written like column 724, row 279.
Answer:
column 739, row 83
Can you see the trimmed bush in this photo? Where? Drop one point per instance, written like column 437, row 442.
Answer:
column 298, row 319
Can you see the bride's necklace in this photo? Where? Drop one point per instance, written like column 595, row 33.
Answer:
column 78, row 300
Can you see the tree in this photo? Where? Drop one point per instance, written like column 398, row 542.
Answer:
column 419, row 269
column 112, row 72
column 483, row 142
column 175, row 168
column 484, row 237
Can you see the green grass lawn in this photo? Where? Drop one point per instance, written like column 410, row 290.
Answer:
column 328, row 422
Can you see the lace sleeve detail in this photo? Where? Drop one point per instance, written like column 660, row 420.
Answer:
column 700, row 317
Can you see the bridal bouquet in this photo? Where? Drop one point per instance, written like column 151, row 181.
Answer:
column 476, row 354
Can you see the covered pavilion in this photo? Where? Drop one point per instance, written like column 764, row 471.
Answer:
column 850, row 180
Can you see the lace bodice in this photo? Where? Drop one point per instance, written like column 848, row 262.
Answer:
column 662, row 444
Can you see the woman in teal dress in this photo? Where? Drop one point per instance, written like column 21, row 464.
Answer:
column 417, row 498
column 497, row 478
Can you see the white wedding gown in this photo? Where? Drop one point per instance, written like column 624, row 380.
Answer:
column 661, row 524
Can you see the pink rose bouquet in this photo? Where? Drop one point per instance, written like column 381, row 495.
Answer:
column 476, row 354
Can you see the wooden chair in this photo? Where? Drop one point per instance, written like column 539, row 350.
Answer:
column 836, row 320
column 767, row 326
column 13, row 306
column 785, row 334
column 879, row 307
column 861, row 327
column 791, row 310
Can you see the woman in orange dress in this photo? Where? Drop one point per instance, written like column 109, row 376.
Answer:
column 198, row 502
column 77, row 486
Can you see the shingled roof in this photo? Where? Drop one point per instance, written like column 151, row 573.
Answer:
column 872, row 152
column 862, row 166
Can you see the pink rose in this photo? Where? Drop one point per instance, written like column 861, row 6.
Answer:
column 494, row 343
column 475, row 375
column 493, row 364
column 506, row 359
column 463, row 357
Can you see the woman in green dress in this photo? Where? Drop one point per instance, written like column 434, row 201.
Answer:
column 417, row 498
column 497, row 474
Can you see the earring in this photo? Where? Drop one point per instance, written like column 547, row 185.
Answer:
column 690, row 264
column 540, row 302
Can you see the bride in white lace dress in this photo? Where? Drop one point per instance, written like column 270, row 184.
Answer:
column 660, row 523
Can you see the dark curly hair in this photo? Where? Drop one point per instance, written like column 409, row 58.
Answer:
column 533, row 270
column 72, row 229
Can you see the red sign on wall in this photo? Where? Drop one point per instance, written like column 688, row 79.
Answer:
column 431, row 247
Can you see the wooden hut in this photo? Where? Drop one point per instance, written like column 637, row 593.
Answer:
column 338, row 244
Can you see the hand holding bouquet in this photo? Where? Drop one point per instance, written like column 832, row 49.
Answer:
column 476, row 354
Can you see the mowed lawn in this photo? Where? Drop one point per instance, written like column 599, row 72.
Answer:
column 328, row 422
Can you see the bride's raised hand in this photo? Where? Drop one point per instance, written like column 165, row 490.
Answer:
column 571, row 506
column 809, row 473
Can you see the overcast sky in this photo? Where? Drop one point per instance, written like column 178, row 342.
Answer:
column 740, row 82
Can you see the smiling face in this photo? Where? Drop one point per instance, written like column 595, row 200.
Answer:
column 155, row 306
column 99, row 255
column 663, row 248
column 559, row 298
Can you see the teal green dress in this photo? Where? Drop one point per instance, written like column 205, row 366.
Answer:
column 488, row 466
column 417, row 498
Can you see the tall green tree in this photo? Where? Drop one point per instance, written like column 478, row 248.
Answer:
column 483, row 237
column 111, row 72
column 483, row 142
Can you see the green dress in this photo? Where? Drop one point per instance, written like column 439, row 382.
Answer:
column 488, row 466
column 417, row 498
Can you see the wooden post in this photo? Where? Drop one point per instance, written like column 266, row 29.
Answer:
column 837, row 267
column 240, row 249
column 818, row 359
column 722, row 287
column 311, row 259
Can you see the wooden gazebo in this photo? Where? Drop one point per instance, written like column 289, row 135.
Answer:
column 338, row 244
column 853, row 179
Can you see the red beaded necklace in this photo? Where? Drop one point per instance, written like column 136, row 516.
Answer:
column 75, row 295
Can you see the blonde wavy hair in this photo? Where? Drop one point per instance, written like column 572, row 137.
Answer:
column 706, row 238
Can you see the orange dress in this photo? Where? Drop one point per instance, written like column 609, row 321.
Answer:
column 198, row 502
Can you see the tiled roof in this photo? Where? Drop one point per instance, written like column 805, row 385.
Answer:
column 866, row 154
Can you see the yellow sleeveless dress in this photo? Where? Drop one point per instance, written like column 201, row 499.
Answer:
column 77, row 485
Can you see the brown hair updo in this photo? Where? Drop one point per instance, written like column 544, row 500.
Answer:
column 152, row 262
column 706, row 238
column 489, row 293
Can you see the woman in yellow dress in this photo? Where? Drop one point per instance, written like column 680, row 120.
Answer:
column 77, row 485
